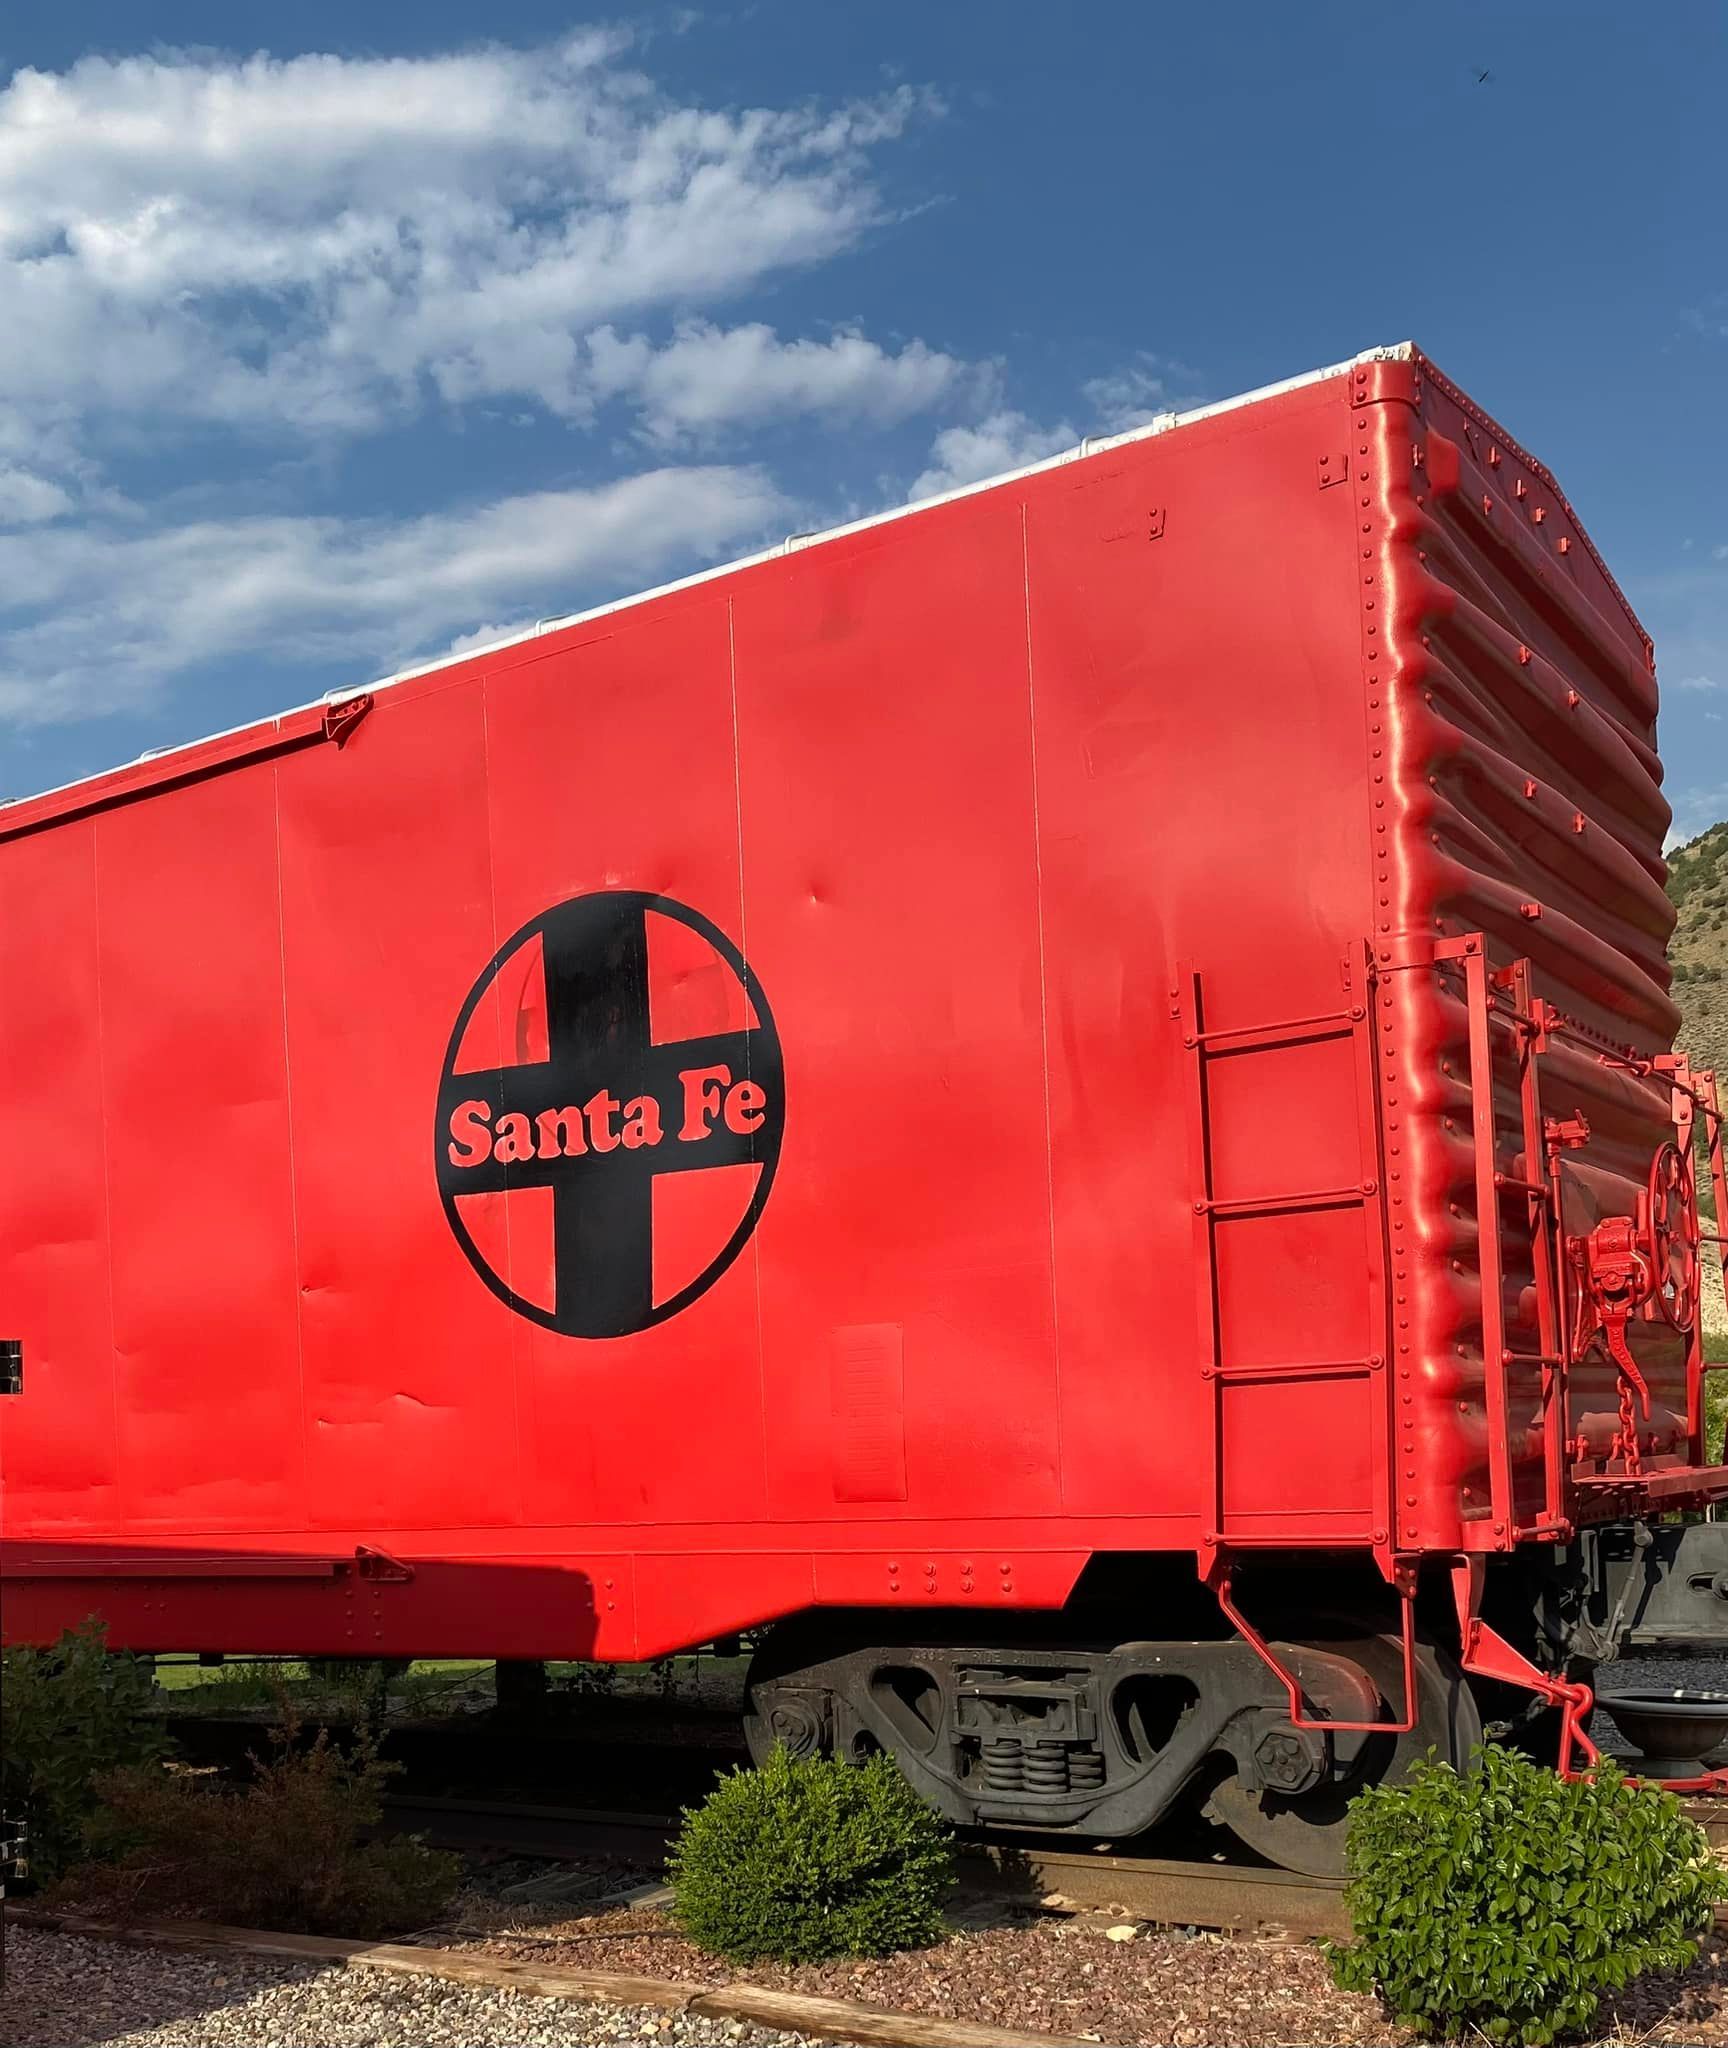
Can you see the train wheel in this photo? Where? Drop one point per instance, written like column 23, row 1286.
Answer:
column 1306, row 1833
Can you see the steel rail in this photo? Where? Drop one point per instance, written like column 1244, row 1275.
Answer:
column 1234, row 1897
column 1166, row 1891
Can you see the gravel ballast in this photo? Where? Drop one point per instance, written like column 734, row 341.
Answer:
column 64, row 1992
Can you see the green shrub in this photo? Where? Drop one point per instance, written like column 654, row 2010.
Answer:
column 67, row 1714
column 809, row 1859
column 284, row 1851
column 1507, row 1901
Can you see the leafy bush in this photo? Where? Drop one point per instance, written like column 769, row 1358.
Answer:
column 808, row 1859
column 284, row 1851
column 67, row 1714
column 1507, row 1900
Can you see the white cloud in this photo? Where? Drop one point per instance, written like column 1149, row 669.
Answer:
column 1138, row 392
column 1004, row 440
column 113, row 614
column 195, row 246
column 708, row 377
column 1130, row 396
column 322, row 242
column 1698, row 683
column 485, row 636
column 26, row 498
column 1695, row 811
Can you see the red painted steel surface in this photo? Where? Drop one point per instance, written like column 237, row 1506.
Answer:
column 1089, row 838
column 1522, row 801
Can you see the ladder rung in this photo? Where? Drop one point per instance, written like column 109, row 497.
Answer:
column 1272, row 1205
column 1295, row 1369
column 1281, row 1031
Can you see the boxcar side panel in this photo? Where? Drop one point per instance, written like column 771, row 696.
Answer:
column 1202, row 774
column 194, row 1117
column 62, row 1446
column 612, row 765
column 387, row 902
column 891, row 893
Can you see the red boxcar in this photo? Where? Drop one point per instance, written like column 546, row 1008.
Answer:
column 1010, row 1081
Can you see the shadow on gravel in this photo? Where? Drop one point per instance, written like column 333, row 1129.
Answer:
column 65, row 1992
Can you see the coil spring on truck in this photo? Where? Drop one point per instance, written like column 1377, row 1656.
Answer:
column 1004, row 1766
column 1054, row 1768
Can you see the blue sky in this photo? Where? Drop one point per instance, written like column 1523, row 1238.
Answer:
column 332, row 337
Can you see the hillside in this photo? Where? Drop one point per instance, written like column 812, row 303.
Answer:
column 1698, row 888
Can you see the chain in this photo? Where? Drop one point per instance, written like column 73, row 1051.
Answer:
column 1628, row 1430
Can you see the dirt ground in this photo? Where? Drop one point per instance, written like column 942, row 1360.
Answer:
column 1069, row 1977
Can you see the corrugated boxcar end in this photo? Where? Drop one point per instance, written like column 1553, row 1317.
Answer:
column 1102, row 1190
column 1513, row 703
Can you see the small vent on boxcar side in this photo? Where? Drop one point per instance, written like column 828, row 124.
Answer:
column 867, row 1407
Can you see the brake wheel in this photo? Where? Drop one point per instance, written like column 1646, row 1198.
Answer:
column 1673, row 1239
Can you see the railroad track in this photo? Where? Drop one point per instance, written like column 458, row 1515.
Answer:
column 1168, row 1891
column 1235, row 1897
column 558, row 1832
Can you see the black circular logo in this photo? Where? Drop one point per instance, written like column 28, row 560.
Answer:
column 610, row 1113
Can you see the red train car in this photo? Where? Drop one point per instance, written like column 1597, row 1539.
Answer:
column 1067, row 1093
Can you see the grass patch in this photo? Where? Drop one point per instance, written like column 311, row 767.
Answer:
column 339, row 1690
column 431, row 1688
